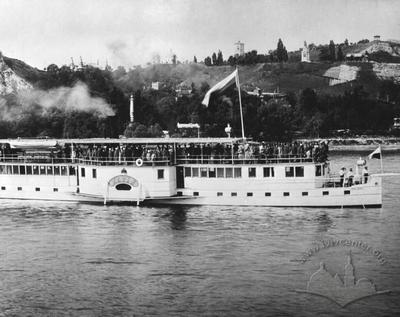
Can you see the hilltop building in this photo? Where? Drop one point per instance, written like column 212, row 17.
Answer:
column 377, row 38
column 239, row 49
column 305, row 53
column 183, row 89
column 155, row 85
column 341, row 74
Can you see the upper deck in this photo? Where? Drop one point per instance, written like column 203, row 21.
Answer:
column 158, row 151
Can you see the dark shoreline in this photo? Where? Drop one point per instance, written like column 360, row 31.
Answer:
column 359, row 144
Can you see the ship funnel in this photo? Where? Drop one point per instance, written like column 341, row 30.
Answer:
column 131, row 109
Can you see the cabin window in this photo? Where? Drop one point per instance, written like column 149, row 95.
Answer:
column 82, row 172
column 220, row 172
column 195, row 193
column 233, row 194
column 22, row 170
column 9, row 169
column 203, row 172
column 252, row 172
column 269, row 172
column 160, row 174
column 123, row 186
column 15, row 169
column 29, row 170
column 229, row 172
column 249, row 194
column 49, row 170
column 289, row 171
column 42, row 170
column 286, row 194
column 56, row 170
column 188, row 172
column 3, row 187
column 211, row 172
column 37, row 189
column 325, row 193
column 94, row 173
column 35, row 170
column 2, row 169
column 238, row 172
column 304, row 194
column 19, row 188
column 267, row 194
column 347, row 192
column 299, row 171
column 64, row 170
column 318, row 170
column 195, row 172
column 219, row 194
column 55, row 190
column 71, row 170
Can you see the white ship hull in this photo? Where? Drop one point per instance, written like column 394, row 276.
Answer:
column 186, row 180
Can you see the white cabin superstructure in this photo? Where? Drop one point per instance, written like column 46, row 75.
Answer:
column 173, row 171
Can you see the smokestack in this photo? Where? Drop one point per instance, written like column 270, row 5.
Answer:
column 131, row 108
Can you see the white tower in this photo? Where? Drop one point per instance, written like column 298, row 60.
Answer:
column 131, row 109
column 305, row 53
column 239, row 48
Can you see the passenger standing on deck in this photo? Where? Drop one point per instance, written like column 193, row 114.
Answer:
column 341, row 175
column 350, row 177
column 365, row 174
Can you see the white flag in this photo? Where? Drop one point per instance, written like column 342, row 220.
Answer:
column 221, row 86
column 375, row 154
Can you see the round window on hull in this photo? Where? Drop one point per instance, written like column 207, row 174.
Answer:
column 123, row 187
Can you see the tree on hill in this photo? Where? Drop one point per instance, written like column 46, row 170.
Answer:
column 174, row 59
column 281, row 52
column 207, row 61
column 340, row 55
column 324, row 54
column 214, row 59
column 220, row 59
column 195, row 59
column 232, row 60
column 332, row 51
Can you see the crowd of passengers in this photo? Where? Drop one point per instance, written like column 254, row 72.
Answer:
column 318, row 152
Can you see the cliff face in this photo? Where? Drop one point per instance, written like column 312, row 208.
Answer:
column 387, row 71
column 10, row 82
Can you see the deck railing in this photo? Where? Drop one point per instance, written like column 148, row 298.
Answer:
column 221, row 159
column 336, row 181
column 103, row 161
column 159, row 161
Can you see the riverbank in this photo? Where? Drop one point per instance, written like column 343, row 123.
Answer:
column 360, row 143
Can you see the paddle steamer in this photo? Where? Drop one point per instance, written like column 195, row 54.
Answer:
column 173, row 171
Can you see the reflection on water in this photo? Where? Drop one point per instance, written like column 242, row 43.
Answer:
column 82, row 260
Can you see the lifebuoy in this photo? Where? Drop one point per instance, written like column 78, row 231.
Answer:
column 139, row 162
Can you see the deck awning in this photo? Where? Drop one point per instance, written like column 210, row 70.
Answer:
column 47, row 143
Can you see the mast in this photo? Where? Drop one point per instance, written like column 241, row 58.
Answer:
column 240, row 102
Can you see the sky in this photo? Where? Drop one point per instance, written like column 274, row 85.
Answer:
column 132, row 32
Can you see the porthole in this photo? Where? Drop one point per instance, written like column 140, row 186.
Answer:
column 123, row 186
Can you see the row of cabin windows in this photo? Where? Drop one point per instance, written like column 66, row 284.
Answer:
column 37, row 170
column 294, row 171
column 37, row 189
column 160, row 173
column 268, row 194
column 236, row 172
column 83, row 172
column 227, row 172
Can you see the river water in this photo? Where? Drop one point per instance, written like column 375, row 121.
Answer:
column 64, row 259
